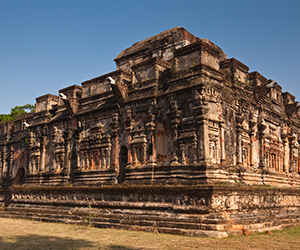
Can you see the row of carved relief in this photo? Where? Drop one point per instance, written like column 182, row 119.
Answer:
column 252, row 201
column 219, row 202
column 182, row 199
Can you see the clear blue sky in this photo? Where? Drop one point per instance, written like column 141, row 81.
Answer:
column 47, row 45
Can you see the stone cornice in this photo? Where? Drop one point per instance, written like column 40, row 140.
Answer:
column 151, row 62
column 47, row 97
column 200, row 45
column 118, row 73
column 257, row 76
column 233, row 63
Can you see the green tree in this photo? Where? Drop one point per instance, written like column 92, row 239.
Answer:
column 5, row 118
column 16, row 111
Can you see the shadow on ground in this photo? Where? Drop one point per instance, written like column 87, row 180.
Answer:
column 51, row 242
column 117, row 247
column 43, row 242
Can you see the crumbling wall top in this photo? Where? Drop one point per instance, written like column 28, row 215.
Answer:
column 163, row 46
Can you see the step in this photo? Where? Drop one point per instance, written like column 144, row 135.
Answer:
column 110, row 218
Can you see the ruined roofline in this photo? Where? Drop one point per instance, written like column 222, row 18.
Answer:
column 72, row 87
column 257, row 76
column 232, row 62
column 179, row 35
column 203, row 56
column 46, row 97
column 103, row 77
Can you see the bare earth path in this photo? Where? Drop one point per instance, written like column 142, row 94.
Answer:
column 25, row 234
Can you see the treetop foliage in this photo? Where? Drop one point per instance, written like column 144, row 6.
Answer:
column 16, row 111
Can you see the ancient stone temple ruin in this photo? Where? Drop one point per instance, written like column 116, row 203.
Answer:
column 179, row 139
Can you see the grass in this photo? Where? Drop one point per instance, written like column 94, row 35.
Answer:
column 25, row 234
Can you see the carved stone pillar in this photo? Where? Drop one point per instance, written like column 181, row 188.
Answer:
column 1, row 164
column 78, row 136
column 261, row 134
column 251, row 135
column 201, row 111
column 239, row 130
column 204, row 139
column 108, row 157
column 115, row 140
column 285, row 144
column 129, row 137
column 43, row 153
column 129, row 153
column 82, row 161
column 134, row 160
column 222, row 142
column 37, row 163
column 54, row 141
column 11, row 161
column 174, row 115
column 150, row 129
column 144, row 153
column 4, row 158
column 183, row 157
column 239, row 145
column 291, row 149
column 67, row 167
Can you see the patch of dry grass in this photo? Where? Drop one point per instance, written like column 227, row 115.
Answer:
column 25, row 234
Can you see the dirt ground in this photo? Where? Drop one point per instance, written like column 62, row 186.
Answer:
column 25, row 234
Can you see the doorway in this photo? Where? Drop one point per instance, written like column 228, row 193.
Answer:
column 19, row 179
column 122, row 164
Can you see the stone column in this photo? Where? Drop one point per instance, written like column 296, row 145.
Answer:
column 54, row 141
column 251, row 135
column 67, row 167
column 183, row 158
column 174, row 116
column 4, row 165
column 150, row 129
column 43, row 153
column 115, row 141
column 222, row 142
column 291, row 149
column 129, row 136
column 204, row 140
column 261, row 134
column 144, row 148
column 239, row 145
column 134, row 160
column 107, row 163
column 11, row 161
column 129, row 153
column 1, row 164
column 77, row 146
column 239, row 130
column 251, row 148
column 201, row 111
column 284, row 160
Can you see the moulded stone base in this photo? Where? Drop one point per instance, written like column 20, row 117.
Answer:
column 48, row 179
column 95, row 177
column 195, row 210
